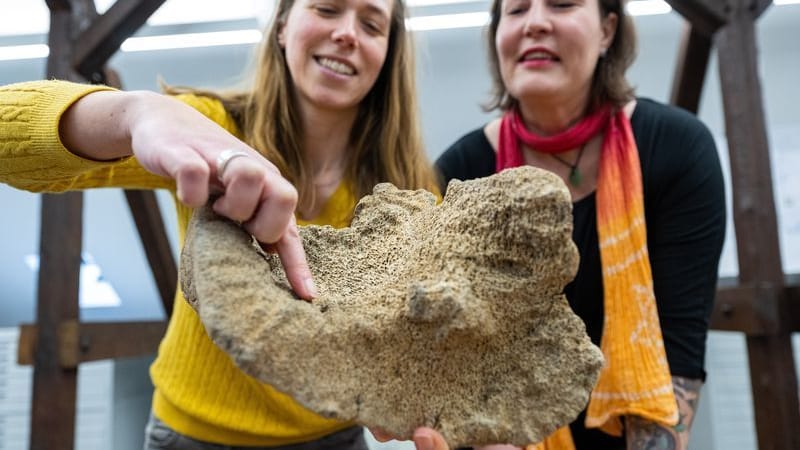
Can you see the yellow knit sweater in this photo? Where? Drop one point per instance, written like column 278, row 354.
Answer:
column 198, row 390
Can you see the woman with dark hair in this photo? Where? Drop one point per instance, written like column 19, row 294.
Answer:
column 648, row 208
column 331, row 112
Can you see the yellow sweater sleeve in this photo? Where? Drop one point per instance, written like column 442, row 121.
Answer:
column 33, row 158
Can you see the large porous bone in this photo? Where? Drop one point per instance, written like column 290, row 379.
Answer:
column 449, row 316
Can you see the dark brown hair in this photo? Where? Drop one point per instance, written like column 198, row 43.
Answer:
column 609, row 84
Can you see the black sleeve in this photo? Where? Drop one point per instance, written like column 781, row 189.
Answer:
column 468, row 158
column 685, row 204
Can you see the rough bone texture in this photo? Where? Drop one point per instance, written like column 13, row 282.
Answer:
column 447, row 316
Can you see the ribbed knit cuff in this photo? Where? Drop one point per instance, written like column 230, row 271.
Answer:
column 52, row 99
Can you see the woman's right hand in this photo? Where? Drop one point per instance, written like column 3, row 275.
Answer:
column 174, row 140
column 424, row 438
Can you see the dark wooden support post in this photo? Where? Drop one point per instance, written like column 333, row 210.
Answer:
column 703, row 18
column 772, row 371
column 97, row 43
column 55, row 370
column 147, row 215
column 762, row 303
column 690, row 73
column 58, row 342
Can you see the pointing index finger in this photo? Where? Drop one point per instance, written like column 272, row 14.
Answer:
column 293, row 257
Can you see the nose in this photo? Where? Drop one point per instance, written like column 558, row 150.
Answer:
column 345, row 31
column 537, row 20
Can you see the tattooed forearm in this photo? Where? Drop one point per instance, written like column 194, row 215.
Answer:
column 642, row 434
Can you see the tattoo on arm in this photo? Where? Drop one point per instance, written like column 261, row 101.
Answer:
column 641, row 434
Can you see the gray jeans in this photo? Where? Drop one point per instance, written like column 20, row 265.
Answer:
column 158, row 436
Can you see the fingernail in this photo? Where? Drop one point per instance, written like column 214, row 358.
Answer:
column 311, row 287
column 424, row 443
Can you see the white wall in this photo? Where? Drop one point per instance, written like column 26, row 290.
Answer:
column 94, row 400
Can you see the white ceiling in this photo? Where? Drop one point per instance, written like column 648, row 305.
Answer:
column 32, row 16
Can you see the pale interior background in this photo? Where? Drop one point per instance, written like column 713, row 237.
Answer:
column 114, row 395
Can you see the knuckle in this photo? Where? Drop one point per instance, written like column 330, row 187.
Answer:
column 265, row 236
column 237, row 215
column 191, row 181
column 239, row 173
column 273, row 170
column 249, row 175
column 263, row 230
column 193, row 171
column 291, row 232
column 230, row 209
column 285, row 196
column 251, row 228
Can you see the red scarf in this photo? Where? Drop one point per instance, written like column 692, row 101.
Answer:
column 635, row 379
column 512, row 130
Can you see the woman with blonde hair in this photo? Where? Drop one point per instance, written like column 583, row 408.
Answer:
column 331, row 112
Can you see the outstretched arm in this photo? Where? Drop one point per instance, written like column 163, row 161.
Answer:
column 173, row 140
column 645, row 435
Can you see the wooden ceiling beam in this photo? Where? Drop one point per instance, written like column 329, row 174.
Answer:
column 103, row 37
column 757, row 310
column 84, row 342
column 707, row 16
column 59, row 5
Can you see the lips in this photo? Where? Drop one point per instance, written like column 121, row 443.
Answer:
column 538, row 54
column 339, row 66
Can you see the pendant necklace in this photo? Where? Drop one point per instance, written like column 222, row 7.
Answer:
column 575, row 177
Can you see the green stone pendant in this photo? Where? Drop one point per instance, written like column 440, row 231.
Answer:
column 575, row 177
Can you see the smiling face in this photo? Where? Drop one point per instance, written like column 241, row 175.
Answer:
column 335, row 49
column 547, row 50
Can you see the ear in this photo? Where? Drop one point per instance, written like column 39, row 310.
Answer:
column 282, row 33
column 608, row 27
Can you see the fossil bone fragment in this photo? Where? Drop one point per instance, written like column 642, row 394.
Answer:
column 449, row 316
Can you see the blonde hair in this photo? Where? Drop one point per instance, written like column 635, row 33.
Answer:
column 385, row 137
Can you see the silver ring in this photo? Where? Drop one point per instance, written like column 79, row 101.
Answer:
column 225, row 157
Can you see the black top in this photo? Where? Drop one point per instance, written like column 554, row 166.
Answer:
column 685, row 214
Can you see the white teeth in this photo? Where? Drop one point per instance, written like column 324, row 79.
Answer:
column 336, row 66
column 537, row 55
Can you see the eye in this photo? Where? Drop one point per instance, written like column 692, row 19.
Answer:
column 516, row 8
column 372, row 27
column 325, row 10
column 563, row 4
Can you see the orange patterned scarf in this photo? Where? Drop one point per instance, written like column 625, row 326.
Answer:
column 635, row 379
